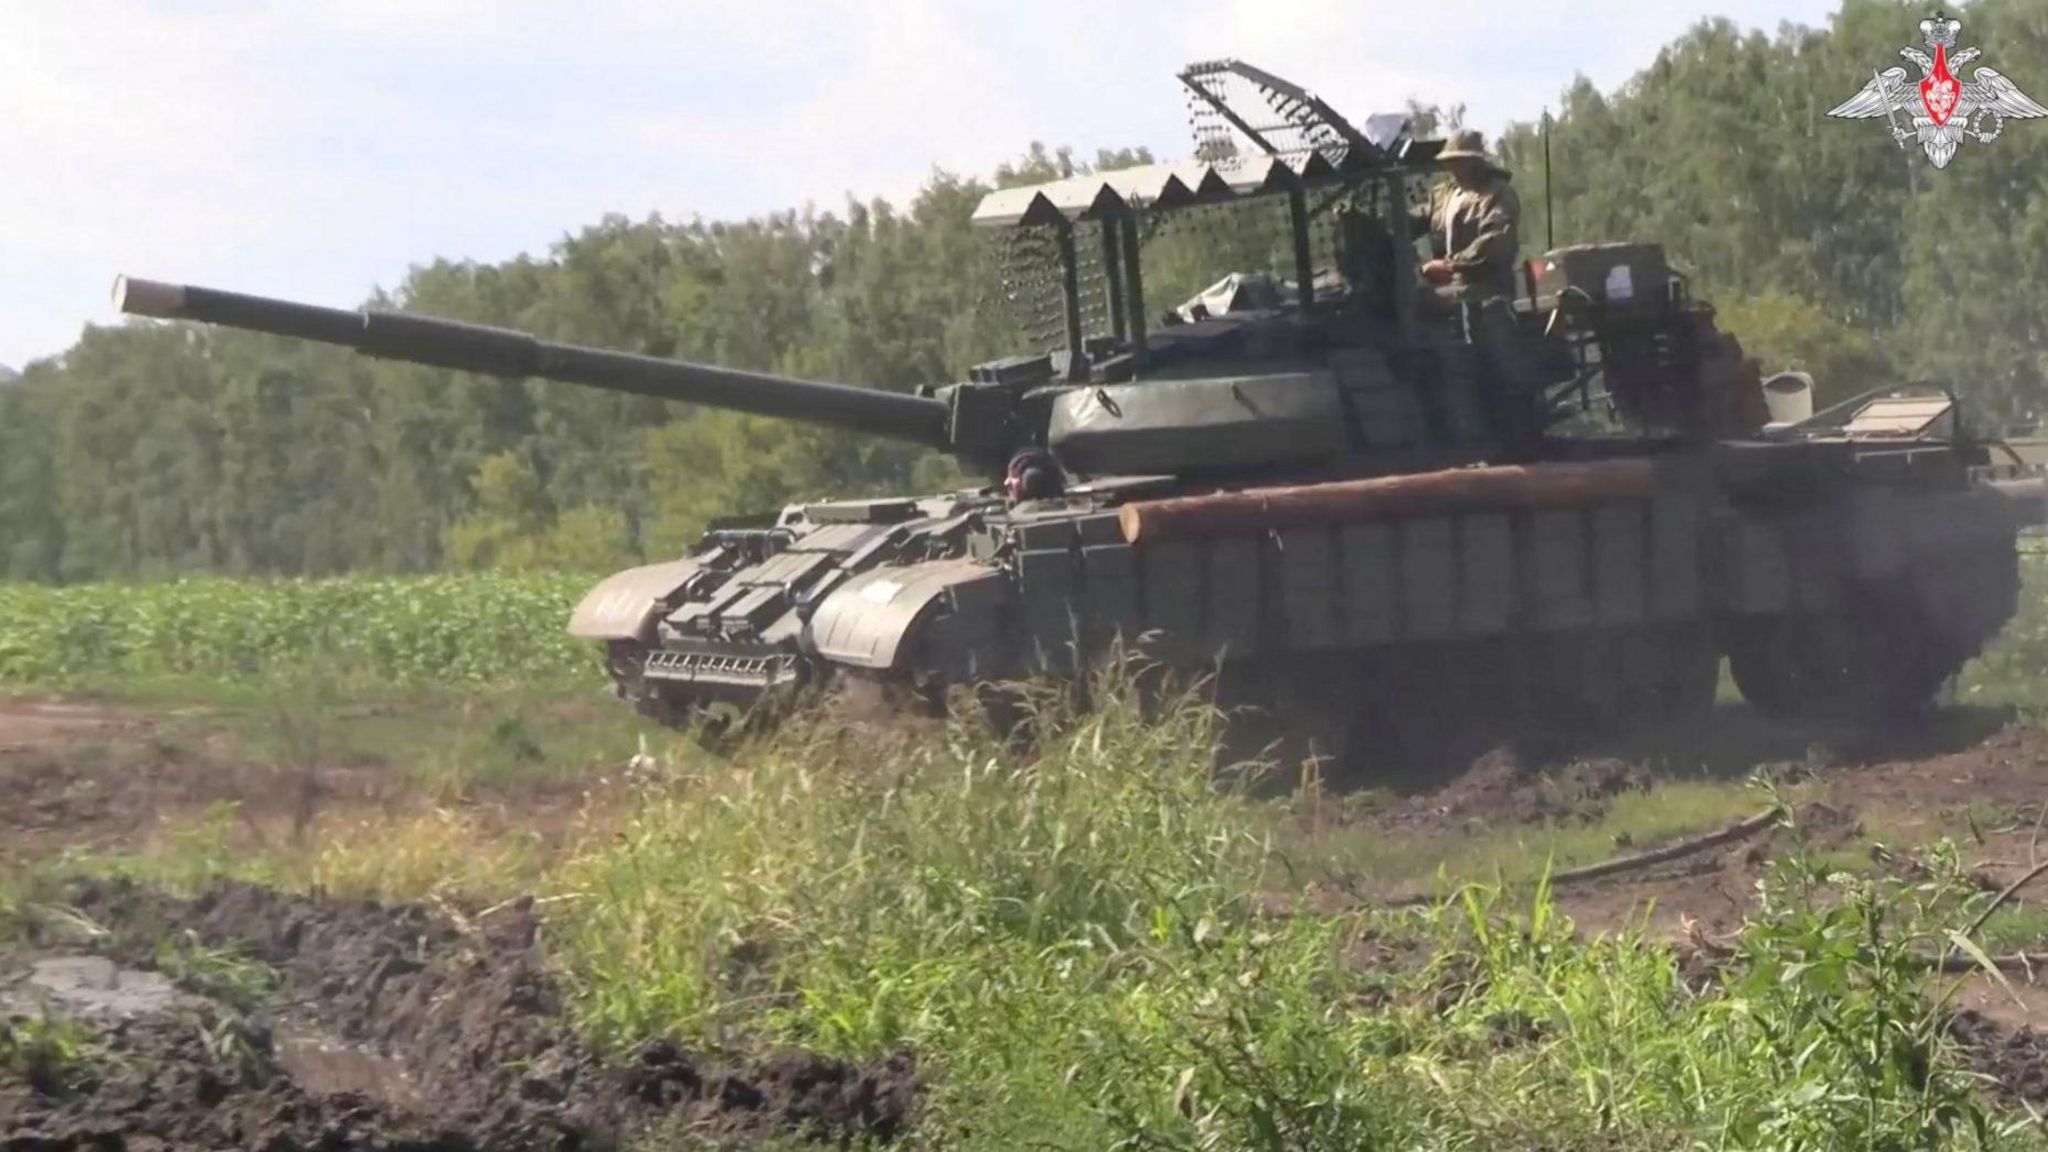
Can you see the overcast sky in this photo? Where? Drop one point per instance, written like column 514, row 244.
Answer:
column 317, row 150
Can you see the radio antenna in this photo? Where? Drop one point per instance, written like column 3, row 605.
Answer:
column 1549, row 204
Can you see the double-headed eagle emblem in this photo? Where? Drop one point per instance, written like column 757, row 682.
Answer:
column 1943, row 111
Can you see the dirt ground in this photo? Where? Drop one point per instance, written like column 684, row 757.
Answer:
column 1983, row 787
column 400, row 1028
column 393, row 1026
column 87, row 777
column 411, row 1027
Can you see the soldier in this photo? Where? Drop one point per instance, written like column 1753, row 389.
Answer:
column 1477, row 216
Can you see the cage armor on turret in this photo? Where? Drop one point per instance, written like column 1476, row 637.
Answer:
column 1385, row 524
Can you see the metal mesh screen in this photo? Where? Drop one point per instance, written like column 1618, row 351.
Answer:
column 1182, row 253
column 1026, row 289
column 1187, row 250
column 1285, row 121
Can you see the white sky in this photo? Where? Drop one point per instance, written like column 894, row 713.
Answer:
column 318, row 149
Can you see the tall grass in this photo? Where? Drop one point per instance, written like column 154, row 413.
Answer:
column 468, row 630
column 1072, row 941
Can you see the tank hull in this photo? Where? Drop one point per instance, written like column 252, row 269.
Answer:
column 1837, row 579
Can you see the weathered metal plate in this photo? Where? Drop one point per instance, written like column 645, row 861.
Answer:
column 1370, row 554
column 1561, row 557
column 1109, row 582
column 1675, row 557
column 1234, row 597
column 623, row 605
column 1429, row 578
column 1620, row 595
column 1486, row 549
column 866, row 622
column 1762, row 568
column 1308, row 587
column 1173, row 589
column 1897, row 416
column 1242, row 421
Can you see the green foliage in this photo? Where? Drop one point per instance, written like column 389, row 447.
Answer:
column 1784, row 331
column 1722, row 150
column 464, row 630
column 1073, row 941
column 2013, row 670
column 196, row 857
column 1100, row 841
column 51, row 1051
column 224, row 974
column 516, row 526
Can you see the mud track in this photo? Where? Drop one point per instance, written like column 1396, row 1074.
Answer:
column 398, row 1027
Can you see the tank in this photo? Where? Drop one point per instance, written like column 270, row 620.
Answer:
column 1383, row 521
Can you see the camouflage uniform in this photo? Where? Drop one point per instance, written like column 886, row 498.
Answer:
column 1478, row 225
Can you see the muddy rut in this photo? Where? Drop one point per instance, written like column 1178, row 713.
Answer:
column 395, row 1026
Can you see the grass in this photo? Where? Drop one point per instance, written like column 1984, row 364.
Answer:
column 2013, row 671
column 423, row 856
column 2016, row 929
column 225, row 975
column 447, row 742
column 408, row 854
column 49, row 1050
column 1074, row 943
column 1077, row 938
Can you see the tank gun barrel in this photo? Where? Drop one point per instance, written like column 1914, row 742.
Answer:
column 440, row 343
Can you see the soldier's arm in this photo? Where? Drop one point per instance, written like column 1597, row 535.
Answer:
column 1496, row 240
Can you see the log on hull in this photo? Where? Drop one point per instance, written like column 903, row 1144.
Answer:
column 1506, row 487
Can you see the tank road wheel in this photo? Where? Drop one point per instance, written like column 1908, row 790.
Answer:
column 1430, row 711
column 1844, row 666
column 1790, row 667
column 1404, row 719
column 1601, row 683
column 1565, row 684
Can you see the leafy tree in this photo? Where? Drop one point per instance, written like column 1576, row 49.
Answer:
column 149, row 449
column 1785, row 331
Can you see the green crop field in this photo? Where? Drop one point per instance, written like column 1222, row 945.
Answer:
column 471, row 630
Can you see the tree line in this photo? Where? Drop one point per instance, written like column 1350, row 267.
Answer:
column 147, row 449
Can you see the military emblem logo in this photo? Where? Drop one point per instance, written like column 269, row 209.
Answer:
column 1942, row 111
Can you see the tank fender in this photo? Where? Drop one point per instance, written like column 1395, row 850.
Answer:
column 626, row 605
column 871, row 620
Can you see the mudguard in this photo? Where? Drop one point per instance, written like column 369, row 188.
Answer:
column 867, row 621
column 625, row 605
